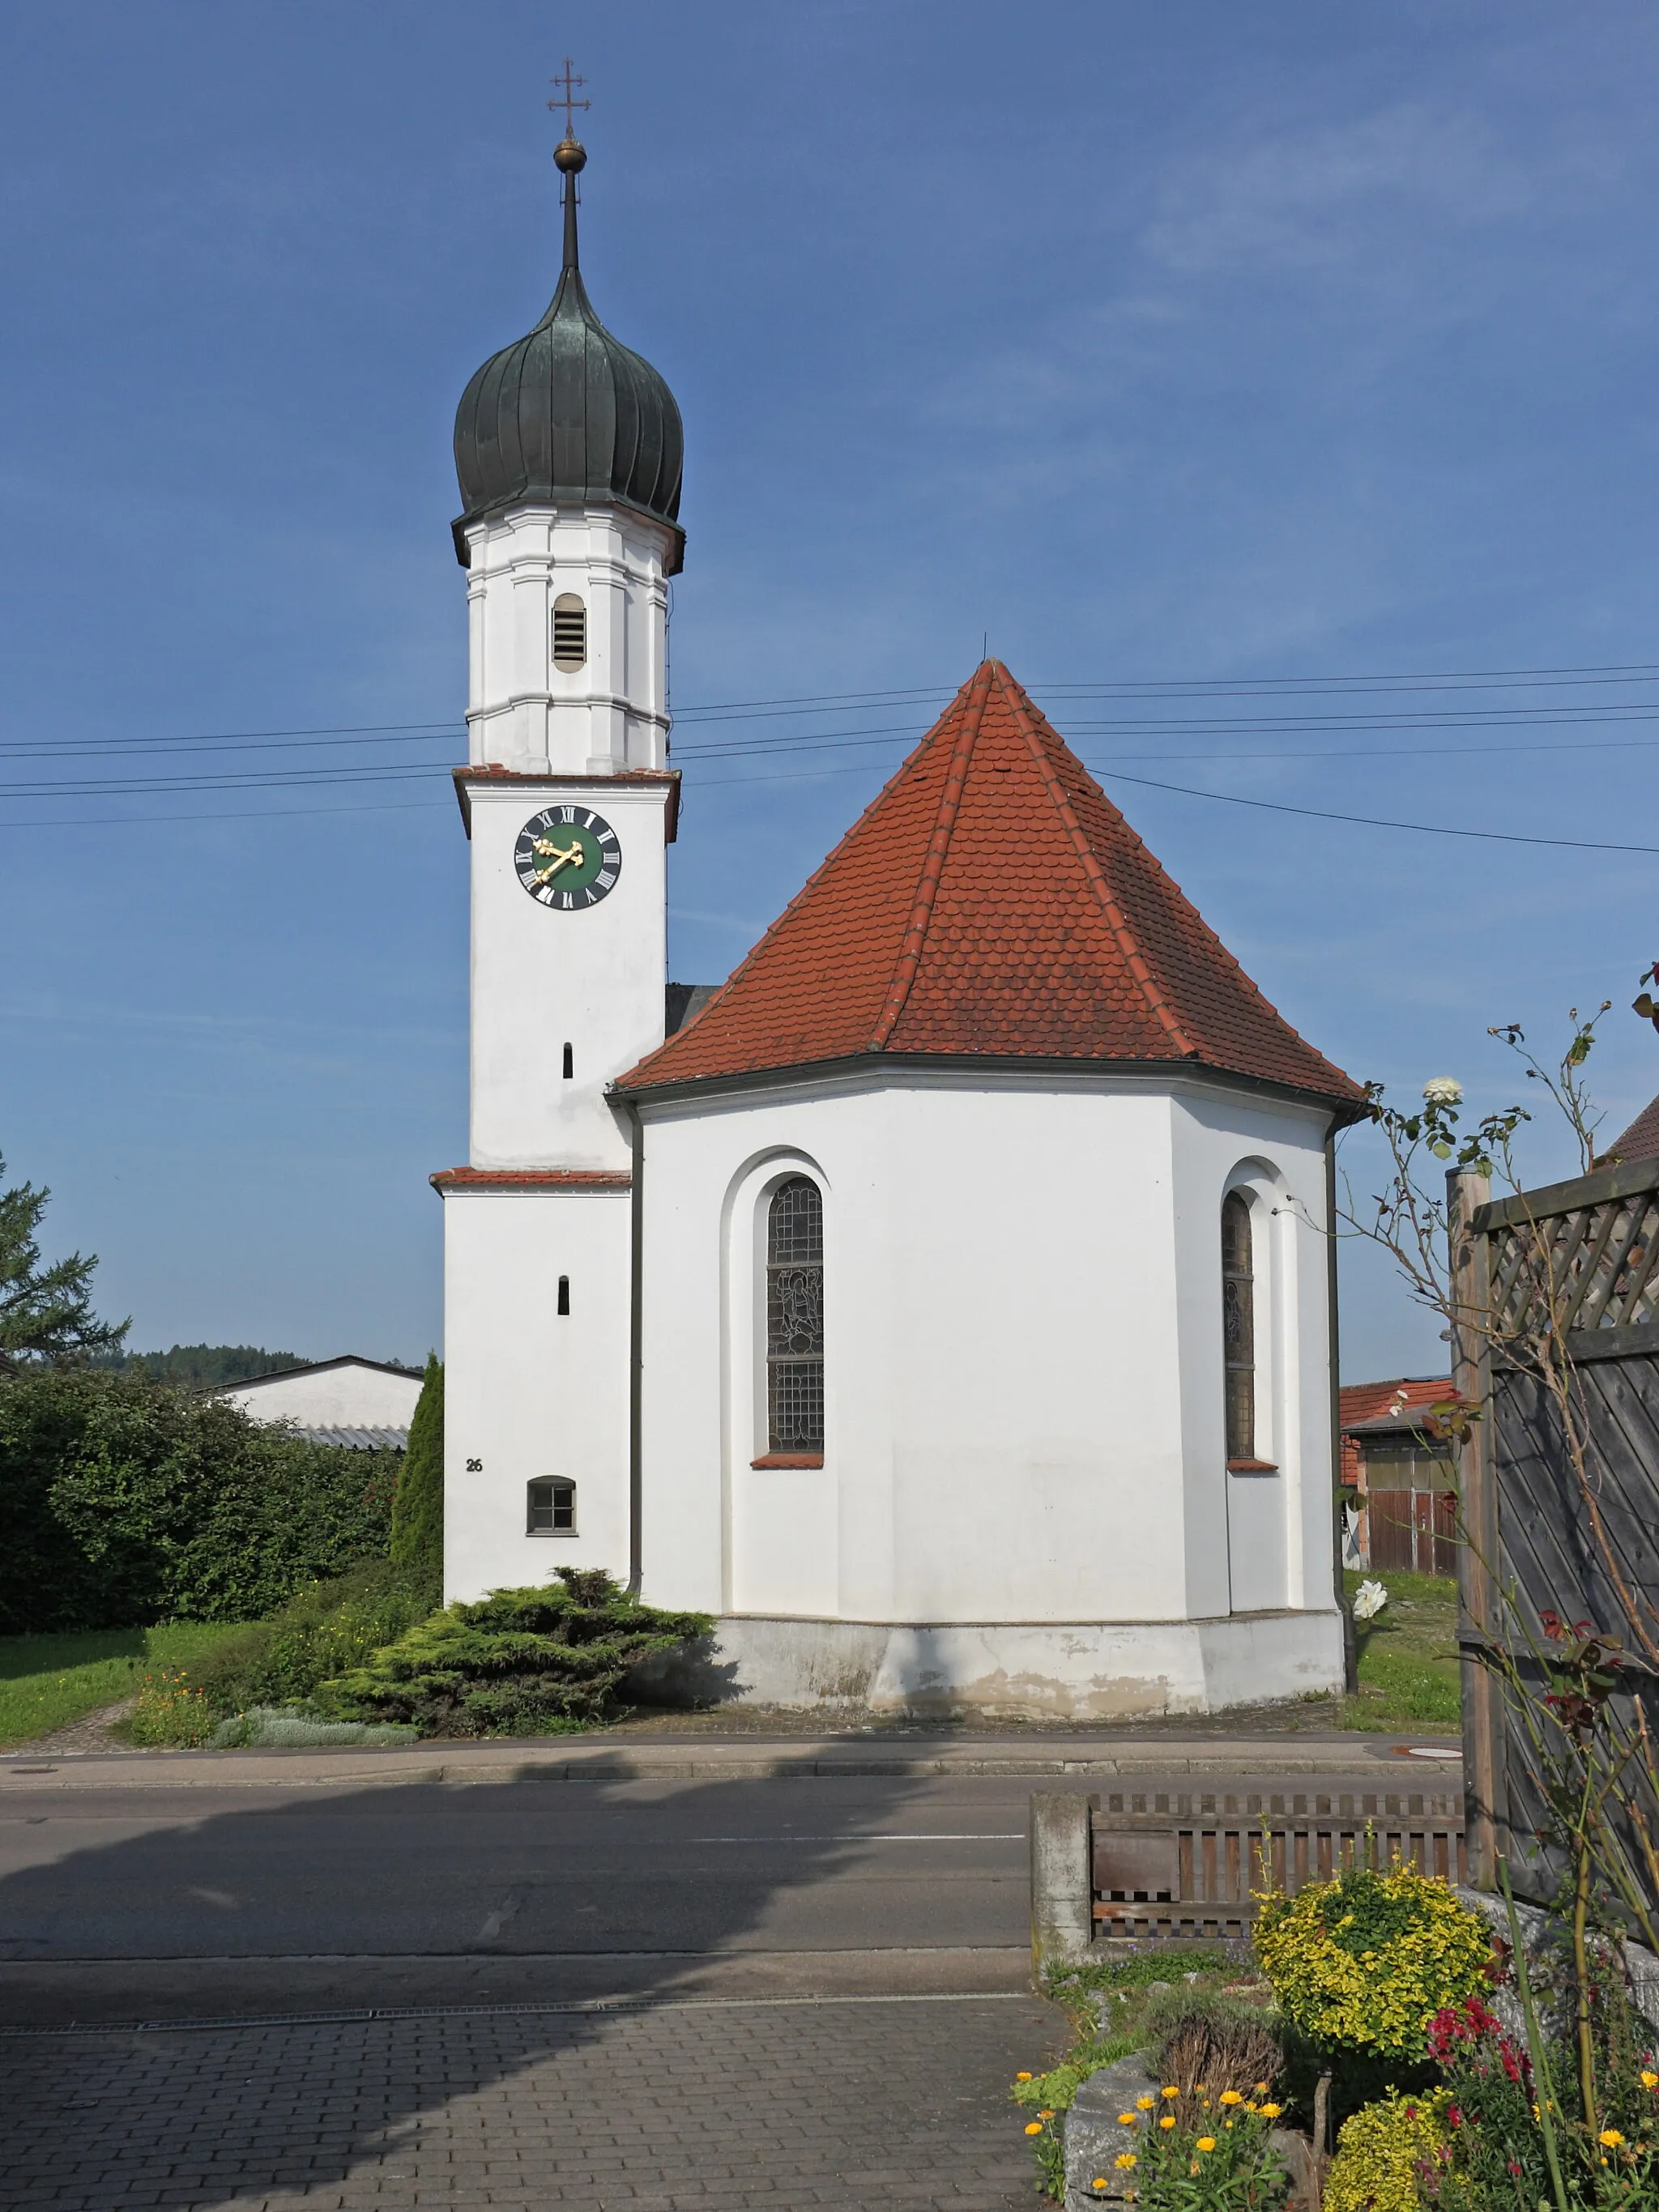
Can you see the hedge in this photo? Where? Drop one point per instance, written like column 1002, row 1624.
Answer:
column 124, row 1502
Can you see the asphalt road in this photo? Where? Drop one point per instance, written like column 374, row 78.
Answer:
column 131, row 1904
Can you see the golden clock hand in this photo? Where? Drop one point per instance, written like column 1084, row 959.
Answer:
column 573, row 852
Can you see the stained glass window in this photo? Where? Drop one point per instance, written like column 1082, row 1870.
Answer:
column 1238, row 1325
column 795, row 1317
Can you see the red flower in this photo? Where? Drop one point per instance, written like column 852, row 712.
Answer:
column 1453, row 2116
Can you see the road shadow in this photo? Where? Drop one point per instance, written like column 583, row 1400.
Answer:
column 688, row 2038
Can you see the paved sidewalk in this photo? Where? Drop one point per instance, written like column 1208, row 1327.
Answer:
column 719, row 2106
column 1394, row 1761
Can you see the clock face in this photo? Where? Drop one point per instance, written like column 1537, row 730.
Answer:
column 567, row 858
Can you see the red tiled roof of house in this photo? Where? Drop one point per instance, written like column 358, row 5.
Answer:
column 1641, row 1140
column 1371, row 1401
column 991, row 900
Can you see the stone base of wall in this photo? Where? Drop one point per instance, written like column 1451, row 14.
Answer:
column 1090, row 1670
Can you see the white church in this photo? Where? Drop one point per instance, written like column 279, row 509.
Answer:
column 944, row 1301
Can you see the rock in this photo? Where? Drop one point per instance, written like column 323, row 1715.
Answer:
column 1094, row 2134
column 1549, row 1962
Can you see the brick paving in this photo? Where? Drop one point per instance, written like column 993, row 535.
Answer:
column 724, row 2108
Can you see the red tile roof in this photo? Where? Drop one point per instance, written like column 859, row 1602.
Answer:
column 526, row 1178
column 1640, row 1141
column 991, row 900
column 1360, row 1402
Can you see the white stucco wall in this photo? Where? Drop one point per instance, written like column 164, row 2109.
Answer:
column 349, row 1395
column 525, row 714
column 1023, row 1357
column 542, row 979
column 530, row 1393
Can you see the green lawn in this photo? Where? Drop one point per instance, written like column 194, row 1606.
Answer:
column 1408, row 1668
column 47, row 1681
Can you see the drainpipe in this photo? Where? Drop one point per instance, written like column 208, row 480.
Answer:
column 1350, row 1648
column 635, row 1353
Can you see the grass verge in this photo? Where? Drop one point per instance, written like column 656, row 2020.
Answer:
column 47, row 1681
column 1408, row 1668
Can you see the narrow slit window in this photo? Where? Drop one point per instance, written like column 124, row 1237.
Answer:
column 569, row 1062
column 551, row 1508
column 569, row 633
column 564, row 1294
column 794, row 1318
column 1238, row 1326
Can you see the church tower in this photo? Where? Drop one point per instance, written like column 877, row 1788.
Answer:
column 568, row 449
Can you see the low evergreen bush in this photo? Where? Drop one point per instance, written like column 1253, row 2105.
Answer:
column 124, row 1502
column 325, row 1630
column 521, row 1662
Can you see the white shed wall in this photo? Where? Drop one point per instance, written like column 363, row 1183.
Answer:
column 343, row 1397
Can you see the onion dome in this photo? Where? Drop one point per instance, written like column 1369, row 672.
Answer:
column 569, row 414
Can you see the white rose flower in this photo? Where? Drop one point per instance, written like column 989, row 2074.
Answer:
column 1368, row 1601
column 1443, row 1091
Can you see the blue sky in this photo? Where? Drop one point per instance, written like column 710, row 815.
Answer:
column 1212, row 342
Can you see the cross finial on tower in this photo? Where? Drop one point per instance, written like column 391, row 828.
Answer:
column 564, row 91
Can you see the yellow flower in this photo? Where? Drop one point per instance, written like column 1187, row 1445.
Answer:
column 1144, row 2103
column 1262, row 2088
column 1207, row 2142
column 1172, row 2093
column 1232, row 2097
column 1048, row 2115
column 1126, row 2119
column 1022, row 2077
column 1650, row 2079
column 1034, row 2127
column 1168, row 2121
column 1227, row 2123
column 1271, row 2112
column 1611, row 2137
column 1126, row 2159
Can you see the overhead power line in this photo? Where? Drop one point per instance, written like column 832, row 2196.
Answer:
column 1376, row 822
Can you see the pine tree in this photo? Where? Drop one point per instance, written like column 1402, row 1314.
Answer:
column 417, row 1508
column 45, row 1313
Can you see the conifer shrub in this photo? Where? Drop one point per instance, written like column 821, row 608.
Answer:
column 418, row 1505
column 542, row 1662
column 325, row 1630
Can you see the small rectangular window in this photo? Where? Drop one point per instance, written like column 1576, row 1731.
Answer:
column 569, row 633
column 552, row 1509
column 564, row 1294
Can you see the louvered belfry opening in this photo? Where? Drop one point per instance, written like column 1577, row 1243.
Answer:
column 1238, row 1325
column 795, row 1317
column 569, row 633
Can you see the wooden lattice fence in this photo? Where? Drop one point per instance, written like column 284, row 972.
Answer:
column 1564, row 1278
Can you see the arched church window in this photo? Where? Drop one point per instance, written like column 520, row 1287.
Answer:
column 551, row 1508
column 569, row 633
column 794, row 1318
column 1238, row 1325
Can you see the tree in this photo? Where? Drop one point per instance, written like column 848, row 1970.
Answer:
column 417, row 1508
column 45, row 1313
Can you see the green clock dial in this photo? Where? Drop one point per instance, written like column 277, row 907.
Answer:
column 567, row 858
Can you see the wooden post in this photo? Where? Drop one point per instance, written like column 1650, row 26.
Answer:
column 1479, row 1598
